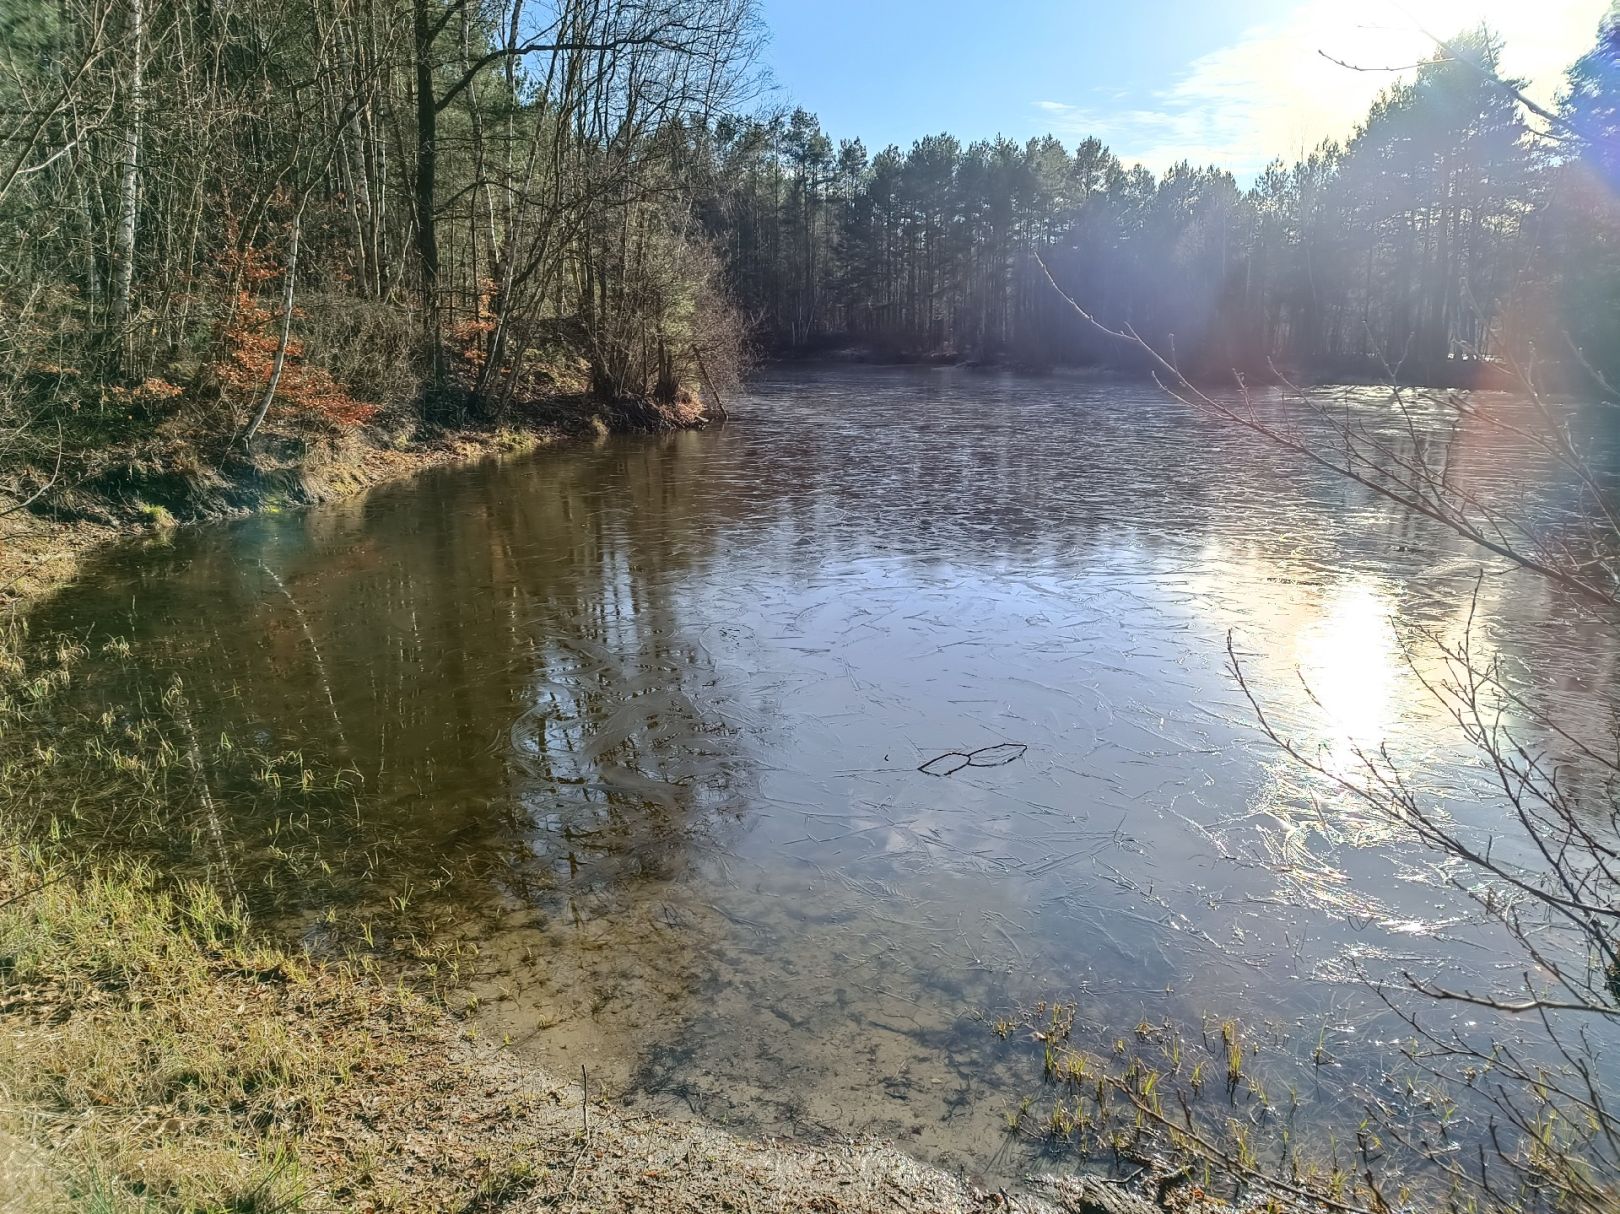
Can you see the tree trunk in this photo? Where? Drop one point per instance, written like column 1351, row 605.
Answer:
column 286, row 332
column 129, row 190
column 427, row 167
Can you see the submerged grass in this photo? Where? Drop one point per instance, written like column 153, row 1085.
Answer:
column 1147, row 1106
column 1144, row 1103
column 158, row 1055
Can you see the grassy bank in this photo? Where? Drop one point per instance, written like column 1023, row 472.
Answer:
column 157, row 1057
column 160, row 1058
column 53, row 514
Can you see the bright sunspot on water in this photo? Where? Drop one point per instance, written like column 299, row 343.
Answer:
column 1349, row 660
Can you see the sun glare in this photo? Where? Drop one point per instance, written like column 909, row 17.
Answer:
column 1286, row 84
column 1349, row 660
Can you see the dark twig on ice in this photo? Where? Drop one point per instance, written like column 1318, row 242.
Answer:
column 998, row 755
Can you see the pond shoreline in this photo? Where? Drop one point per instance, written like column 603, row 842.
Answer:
column 159, row 1047
column 165, row 1054
column 424, row 1116
column 185, row 1062
column 44, row 542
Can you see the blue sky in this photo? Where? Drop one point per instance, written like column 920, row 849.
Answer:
column 1219, row 80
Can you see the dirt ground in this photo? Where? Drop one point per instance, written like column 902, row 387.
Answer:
column 470, row 1126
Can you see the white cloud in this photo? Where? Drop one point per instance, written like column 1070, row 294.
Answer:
column 1271, row 93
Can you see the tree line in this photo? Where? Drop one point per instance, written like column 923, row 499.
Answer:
column 1458, row 222
column 221, row 220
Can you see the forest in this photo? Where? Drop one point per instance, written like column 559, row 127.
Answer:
column 1457, row 223
column 218, row 218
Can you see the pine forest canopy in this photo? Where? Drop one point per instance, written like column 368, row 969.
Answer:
column 226, row 213
column 1454, row 224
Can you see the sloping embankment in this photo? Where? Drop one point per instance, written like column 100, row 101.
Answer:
column 43, row 541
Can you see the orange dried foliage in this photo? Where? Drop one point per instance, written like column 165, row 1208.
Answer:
column 150, row 389
column 251, row 336
column 466, row 337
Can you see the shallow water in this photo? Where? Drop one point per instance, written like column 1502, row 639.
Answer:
column 646, row 720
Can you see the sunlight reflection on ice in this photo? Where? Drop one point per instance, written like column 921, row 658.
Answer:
column 1349, row 661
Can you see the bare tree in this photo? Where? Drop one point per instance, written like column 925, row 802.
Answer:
column 129, row 185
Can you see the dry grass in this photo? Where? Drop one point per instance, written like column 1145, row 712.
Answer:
column 159, row 1060
column 163, row 1059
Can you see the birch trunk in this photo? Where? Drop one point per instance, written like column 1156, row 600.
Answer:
column 286, row 332
column 129, row 190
